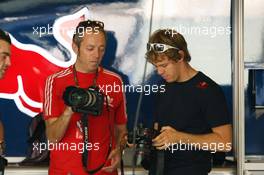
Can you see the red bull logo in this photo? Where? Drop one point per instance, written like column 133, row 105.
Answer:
column 31, row 64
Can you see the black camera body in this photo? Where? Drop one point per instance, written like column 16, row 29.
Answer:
column 143, row 137
column 86, row 101
column 143, row 141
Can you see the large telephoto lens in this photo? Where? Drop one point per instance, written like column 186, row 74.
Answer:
column 78, row 97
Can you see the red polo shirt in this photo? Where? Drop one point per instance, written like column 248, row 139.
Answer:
column 66, row 155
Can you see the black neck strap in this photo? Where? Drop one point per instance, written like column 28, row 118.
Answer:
column 76, row 78
column 84, row 119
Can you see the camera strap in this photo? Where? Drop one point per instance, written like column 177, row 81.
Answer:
column 76, row 78
column 160, row 162
column 84, row 119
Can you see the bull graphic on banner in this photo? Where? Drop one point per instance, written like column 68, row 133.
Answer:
column 31, row 64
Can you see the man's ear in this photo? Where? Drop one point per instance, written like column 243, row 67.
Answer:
column 181, row 53
column 75, row 48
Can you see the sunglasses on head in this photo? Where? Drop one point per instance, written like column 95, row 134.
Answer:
column 159, row 48
column 88, row 23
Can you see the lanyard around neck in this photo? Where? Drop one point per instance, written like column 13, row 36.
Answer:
column 76, row 78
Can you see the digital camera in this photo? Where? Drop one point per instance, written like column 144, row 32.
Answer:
column 143, row 141
column 86, row 101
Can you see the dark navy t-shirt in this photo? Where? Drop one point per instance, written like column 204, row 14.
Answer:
column 194, row 106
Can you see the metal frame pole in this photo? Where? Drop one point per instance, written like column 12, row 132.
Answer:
column 238, row 83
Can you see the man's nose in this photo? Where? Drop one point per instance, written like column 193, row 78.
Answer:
column 97, row 53
column 8, row 61
column 160, row 71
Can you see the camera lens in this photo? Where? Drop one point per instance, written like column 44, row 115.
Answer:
column 77, row 97
column 88, row 101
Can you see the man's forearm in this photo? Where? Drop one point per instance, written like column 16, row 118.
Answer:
column 121, row 131
column 56, row 129
column 211, row 141
column 219, row 140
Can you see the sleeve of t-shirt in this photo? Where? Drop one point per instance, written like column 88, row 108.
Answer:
column 120, row 113
column 51, row 100
column 216, row 109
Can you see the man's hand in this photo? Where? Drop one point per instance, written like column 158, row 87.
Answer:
column 167, row 137
column 56, row 127
column 115, row 156
column 68, row 111
column 123, row 142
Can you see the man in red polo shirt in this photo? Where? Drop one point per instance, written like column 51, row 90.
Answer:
column 64, row 127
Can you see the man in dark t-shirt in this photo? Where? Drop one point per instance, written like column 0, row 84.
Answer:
column 192, row 112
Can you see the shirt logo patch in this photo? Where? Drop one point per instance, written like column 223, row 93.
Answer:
column 109, row 100
column 202, row 85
